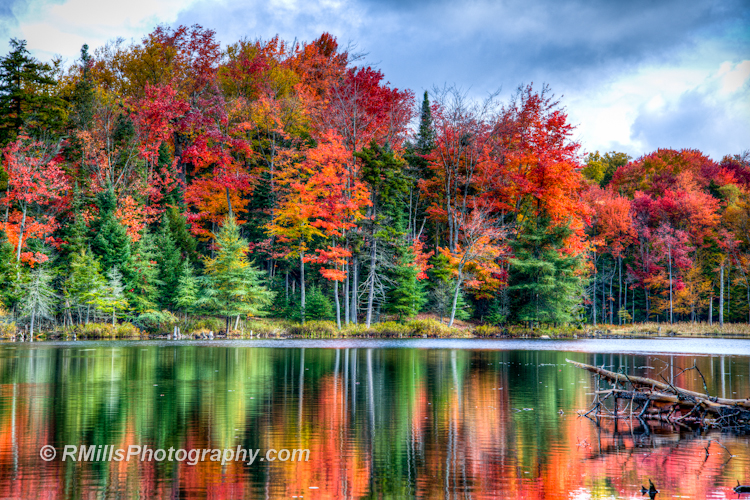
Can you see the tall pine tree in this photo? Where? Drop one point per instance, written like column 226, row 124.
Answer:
column 544, row 284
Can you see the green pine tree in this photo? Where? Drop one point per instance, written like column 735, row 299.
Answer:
column 39, row 299
column 144, row 284
column 111, row 243
column 84, row 285
column 407, row 295
column 544, row 286
column 188, row 288
column 112, row 301
column 233, row 286
column 318, row 306
column 83, row 95
column 183, row 239
column 27, row 95
column 168, row 260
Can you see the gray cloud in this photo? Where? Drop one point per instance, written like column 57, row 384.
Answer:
column 484, row 44
column 695, row 122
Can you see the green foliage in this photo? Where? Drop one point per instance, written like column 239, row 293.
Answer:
column 156, row 321
column 383, row 172
column 426, row 136
column 544, row 287
column 168, row 260
column 26, row 96
column 600, row 169
column 407, row 295
column 111, row 242
column 496, row 314
column 85, row 283
column 38, row 297
column 184, row 241
column 7, row 268
column 188, row 289
column 232, row 285
column 144, row 283
column 318, row 306
column 112, row 300
column 82, row 98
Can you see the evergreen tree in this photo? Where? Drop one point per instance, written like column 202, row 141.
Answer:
column 7, row 271
column 232, row 284
column 144, row 284
column 183, row 239
column 318, row 306
column 26, row 95
column 406, row 297
column 111, row 242
column 83, row 95
column 426, row 136
column 75, row 235
column 112, row 301
column 39, row 297
column 543, row 286
column 84, row 285
column 187, row 292
column 168, row 260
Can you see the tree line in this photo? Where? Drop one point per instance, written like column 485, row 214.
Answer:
column 169, row 176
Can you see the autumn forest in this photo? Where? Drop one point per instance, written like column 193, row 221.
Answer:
column 176, row 179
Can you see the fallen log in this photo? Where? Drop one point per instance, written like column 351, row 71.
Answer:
column 665, row 402
column 647, row 383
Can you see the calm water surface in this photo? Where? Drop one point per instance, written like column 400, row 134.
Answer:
column 382, row 419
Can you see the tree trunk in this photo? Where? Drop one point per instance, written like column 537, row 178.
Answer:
column 338, row 305
column 20, row 234
column 721, row 295
column 371, row 291
column 604, row 297
column 455, row 296
column 31, row 332
column 355, row 285
column 671, row 301
column 611, row 299
column 346, row 291
column 619, row 291
column 302, row 284
column 711, row 308
column 593, row 294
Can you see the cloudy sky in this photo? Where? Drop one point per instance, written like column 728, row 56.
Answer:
column 635, row 75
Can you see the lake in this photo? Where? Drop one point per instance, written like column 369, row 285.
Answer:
column 386, row 419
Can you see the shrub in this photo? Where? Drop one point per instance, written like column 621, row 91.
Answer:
column 429, row 327
column 318, row 306
column 314, row 329
column 157, row 321
column 7, row 330
column 107, row 331
column 209, row 324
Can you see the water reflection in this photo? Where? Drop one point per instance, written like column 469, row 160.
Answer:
column 378, row 423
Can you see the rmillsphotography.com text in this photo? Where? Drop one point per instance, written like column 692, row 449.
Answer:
column 109, row 453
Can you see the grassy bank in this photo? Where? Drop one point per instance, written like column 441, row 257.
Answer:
column 421, row 327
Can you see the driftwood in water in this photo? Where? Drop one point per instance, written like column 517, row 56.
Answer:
column 663, row 401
